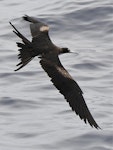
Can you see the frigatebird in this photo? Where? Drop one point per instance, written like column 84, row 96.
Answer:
column 42, row 46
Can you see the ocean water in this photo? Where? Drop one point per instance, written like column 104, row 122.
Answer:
column 33, row 115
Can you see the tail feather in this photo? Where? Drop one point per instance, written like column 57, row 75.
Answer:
column 25, row 49
column 25, row 40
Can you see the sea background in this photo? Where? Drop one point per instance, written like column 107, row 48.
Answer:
column 33, row 115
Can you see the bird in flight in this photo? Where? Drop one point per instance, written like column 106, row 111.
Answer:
column 42, row 46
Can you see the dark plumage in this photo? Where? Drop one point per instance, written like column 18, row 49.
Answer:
column 42, row 46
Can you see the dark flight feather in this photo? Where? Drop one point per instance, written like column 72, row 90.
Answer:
column 68, row 87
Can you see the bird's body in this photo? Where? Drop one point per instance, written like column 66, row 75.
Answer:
column 42, row 46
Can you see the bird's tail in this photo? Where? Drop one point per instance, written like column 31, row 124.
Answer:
column 25, row 49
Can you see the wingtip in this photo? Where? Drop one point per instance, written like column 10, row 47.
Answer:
column 28, row 18
column 96, row 127
column 15, row 70
column 25, row 17
column 92, row 124
column 18, row 68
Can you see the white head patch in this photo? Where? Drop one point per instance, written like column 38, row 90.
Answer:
column 44, row 28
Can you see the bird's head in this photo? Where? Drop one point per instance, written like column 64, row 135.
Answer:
column 65, row 50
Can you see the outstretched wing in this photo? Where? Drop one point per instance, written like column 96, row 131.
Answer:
column 40, row 41
column 39, row 32
column 68, row 87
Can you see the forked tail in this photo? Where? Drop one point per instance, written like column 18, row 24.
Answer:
column 25, row 49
